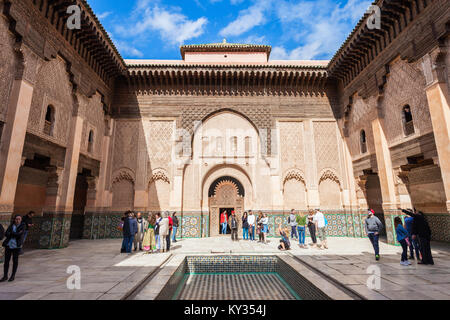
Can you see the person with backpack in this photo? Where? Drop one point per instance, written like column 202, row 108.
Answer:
column 284, row 241
column 130, row 228
column 320, row 223
column 402, row 238
column 292, row 221
column 12, row 245
column 421, row 230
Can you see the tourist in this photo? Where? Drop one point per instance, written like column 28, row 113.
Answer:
column 12, row 245
column 265, row 228
column 120, row 227
column 224, row 221
column 174, row 227
column 373, row 227
column 259, row 226
column 312, row 229
column 157, row 236
column 402, row 236
column 170, row 231
column 251, row 225
column 301, row 228
column 421, row 230
column 130, row 228
column 149, row 241
column 245, row 226
column 28, row 222
column 413, row 243
column 233, row 226
column 142, row 225
column 164, row 231
column 284, row 241
column 319, row 221
column 292, row 221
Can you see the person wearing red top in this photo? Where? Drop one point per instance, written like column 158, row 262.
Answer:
column 224, row 222
column 170, row 231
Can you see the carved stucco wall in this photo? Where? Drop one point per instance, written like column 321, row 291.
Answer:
column 7, row 66
column 292, row 146
column 52, row 88
column 125, row 141
column 159, row 142
column 94, row 120
column 326, row 146
column 361, row 116
column 405, row 85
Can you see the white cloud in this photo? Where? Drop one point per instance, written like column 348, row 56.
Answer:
column 249, row 18
column 104, row 15
column 319, row 26
column 174, row 27
column 128, row 50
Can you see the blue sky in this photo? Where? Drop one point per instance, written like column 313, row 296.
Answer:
column 296, row 29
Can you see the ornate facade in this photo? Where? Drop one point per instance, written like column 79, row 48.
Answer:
column 86, row 135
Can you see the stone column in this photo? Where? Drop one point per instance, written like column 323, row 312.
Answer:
column 386, row 176
column 56, row 222
column 106, row 143
column 55, row 227
column 436, row 77
column 140, row 186
column 94, row 227
column 15, row 128
column 401, row 188
column 311, row 166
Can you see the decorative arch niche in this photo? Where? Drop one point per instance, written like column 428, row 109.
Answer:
column 294, row 191
column 330, row 190
column 122, row 189
column 158, row 191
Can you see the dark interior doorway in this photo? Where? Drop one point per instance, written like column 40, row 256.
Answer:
column 375, row 200
column 79, row 205
column 228, row 210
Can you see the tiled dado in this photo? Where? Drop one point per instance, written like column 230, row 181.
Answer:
column 194, row 225
column 102, row 225
column 54, row 230
column 5, row 220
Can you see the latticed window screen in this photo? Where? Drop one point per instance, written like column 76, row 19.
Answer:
column 363, row 141
column 408, row 124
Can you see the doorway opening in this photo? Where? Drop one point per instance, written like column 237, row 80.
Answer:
column 228, row 211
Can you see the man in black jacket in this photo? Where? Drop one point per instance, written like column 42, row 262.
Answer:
column 174, row 227
column 12, row 244
column 422, row 231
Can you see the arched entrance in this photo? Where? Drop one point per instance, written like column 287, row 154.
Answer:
column 225, row 194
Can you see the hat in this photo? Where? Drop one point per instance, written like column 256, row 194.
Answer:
column 371, row 210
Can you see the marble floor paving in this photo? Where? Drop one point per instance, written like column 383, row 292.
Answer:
column 107, row 274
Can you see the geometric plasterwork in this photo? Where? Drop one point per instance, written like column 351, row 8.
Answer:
column 123, row 174
column 159, row 139
column 294, row 174
column 329, row 174
column 159, row 174
column 291, row 140
column 326, row 146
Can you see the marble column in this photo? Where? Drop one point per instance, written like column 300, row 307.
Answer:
column 311, row 166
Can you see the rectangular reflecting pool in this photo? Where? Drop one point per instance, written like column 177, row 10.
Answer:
column 243, row 277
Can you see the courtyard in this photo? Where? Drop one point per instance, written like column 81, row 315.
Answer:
column 107, row 274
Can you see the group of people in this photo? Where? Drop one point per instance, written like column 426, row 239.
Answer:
column 15, row 236
column 151, row 235
column 414, row 234
column 253, row 224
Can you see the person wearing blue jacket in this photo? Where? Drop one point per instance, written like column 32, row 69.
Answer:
column 413, row 243
column 130, row 228
column 402, row 236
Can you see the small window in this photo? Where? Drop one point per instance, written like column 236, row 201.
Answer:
column 233, row 142
column 91, row 141
column 219, row 145
column 408, row 124
column 49, row 121
column 248, row 146
column 363, row 141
